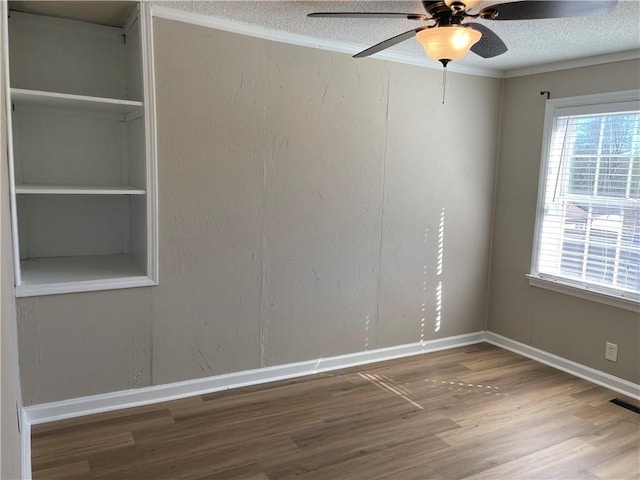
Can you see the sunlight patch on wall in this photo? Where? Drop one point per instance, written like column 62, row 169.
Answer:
column 439, row 267
column 423, row 307
column 367, row 326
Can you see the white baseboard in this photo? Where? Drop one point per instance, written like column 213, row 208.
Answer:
column 76, row 407
column 591, row 374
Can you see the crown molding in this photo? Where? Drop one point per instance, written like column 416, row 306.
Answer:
column 577, row 63
column 311, row 42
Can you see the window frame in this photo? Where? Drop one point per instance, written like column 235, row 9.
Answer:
column 586, row 104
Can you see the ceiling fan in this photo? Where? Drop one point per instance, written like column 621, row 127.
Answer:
column 449, row 37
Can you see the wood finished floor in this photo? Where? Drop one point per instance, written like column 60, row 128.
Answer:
column 470, row 412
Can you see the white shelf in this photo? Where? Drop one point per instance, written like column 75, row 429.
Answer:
column 79, row 190
column 47, row 276
column 20, row 96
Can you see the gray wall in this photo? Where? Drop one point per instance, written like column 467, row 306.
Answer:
column 566, row 326
column 10, row 396
column 301, row 197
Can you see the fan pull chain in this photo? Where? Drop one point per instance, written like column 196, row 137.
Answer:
column 444, row 83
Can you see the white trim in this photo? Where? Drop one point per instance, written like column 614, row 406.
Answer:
column 9, row 119
column 549, row 110
column 577, row 63
column 25, row 447
column 584, row 293
column 83, row 286
column 311, row 42
column 76, row 407
column 591, row 374
column 148, row 69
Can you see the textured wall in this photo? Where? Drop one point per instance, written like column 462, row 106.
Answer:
column 437, row 205
column 323, row 191
column 567, row 326
column 211, row 146
column 10, row 395
column 295, row 188
column 84, row 344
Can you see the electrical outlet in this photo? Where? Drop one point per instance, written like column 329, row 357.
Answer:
column 611, row 352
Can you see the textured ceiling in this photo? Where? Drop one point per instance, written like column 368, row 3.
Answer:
column 531, row 43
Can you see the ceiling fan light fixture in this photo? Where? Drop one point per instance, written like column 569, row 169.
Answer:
column 468, row 4
column 449, row 43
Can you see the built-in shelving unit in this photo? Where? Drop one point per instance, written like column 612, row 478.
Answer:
column 82, row 149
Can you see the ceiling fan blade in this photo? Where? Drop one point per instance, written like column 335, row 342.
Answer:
column 538, row 9
column 490, row 44
column 389, row 42
column 408, row 16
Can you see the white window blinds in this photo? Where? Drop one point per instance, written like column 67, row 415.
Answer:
column 588, row 225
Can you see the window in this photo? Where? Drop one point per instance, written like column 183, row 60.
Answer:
column 588, row 221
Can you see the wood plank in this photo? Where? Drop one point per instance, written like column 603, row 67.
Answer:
column 99, row 426
column 625, row 465
column 370, row 464
column 70, row 471
column 190, row 458
column 246, row 472
column 88, row 420
column 562, row 460
column 65, row 453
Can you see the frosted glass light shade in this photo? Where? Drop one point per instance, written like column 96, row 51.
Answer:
column 448, row 43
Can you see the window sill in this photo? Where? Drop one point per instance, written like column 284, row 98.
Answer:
column 574, row 291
